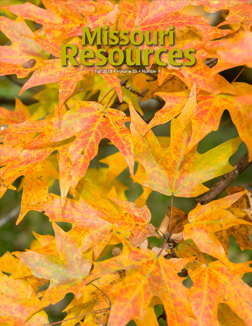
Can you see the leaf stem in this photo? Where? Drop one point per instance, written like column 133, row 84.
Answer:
column 197, row 251
column 110, row 100
column 239, row 74
column 170, row 222
column 88, row 313
column 106, row 95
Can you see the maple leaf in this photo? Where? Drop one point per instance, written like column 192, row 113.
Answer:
column 213, row 6
column 207, row 114
column 200, row 75
column 177, row 170
column 95, row 218
column 12, row 144
column 216, row 284
column 241, row 209
column 11, row 265
column 29, row 11
column 94, row 299
column 69, row 16
column 67, row 78
column 147, row 276
column 65, row 272
column 19, row 115
column 18, row 302
column 159, row 15
column 174, row 104
column 23, row 55
column 89, row 122
column 35, row 187
column 236, row 50
column 239, row 15
column 207, row 219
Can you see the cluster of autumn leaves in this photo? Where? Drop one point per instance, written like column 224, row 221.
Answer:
column 59, row 135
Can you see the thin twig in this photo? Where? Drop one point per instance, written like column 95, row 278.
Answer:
column 91, row 312
column 107, row 297
column 167, row 239
column 239, row 74
column 170, row 222
column 218, row 188
column 110, row 100
column 164, row 244
column 12, row 214
column 106, row 94
column 198, row 252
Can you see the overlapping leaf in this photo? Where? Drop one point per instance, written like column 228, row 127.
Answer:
column 23, row 55
column 216, row 284
column 169, row 171
column 242, row 210
column 207, row 219
column 65, row 272
column 88, row 123
column 147, row 276
column 18, row 302
column 207, row 114
column 95, row 218
column 159, row 15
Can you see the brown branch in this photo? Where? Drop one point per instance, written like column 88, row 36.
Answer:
column 218, row 188
column 239, row 74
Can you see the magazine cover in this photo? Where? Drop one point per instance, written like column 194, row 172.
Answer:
column 126, row 150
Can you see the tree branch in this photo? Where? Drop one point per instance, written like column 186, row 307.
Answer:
column 225, row 181
column 14, row 213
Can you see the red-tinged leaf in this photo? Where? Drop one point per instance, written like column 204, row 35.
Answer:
column 95, row 217
column 89, row 122
column 49, row 40
column 207, row 114
column 216, row 284
column 205, row 220
column 159, row 15
column 213, row 6
column 18, row 302
column 24, row 55
column 177, row 170
column 35, row 188
column 19, row 115
column 66, row 272
column 67, row 77
column 240, row 15
column 142, row 217
column 200, row 75
column 36, row 174
column 237, row 50
column 93, row 299
column 241, row 209
column 35, row 13
column 69, row 17
column 174, row 104
column 147, row 276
